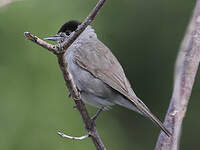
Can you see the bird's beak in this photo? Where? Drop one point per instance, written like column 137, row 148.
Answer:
column 53, row 38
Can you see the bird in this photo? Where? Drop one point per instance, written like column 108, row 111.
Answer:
column 97, row 73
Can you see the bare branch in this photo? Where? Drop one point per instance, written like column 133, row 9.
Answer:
column 185, row 71
column 84, row 24
column 89, row 123
column 6, row 2
column 73, row 137
column 35, row 39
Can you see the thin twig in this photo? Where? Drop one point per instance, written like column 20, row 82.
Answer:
column 73, row 137
column 185, row 71
column 6, row 2
column 89, row 124
column 83, row 25
column 35, row 39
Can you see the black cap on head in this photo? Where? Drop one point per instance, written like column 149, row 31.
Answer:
column 69, row 26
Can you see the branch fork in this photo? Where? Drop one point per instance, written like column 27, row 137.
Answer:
column 89, row 123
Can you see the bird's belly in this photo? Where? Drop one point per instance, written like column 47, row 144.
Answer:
column 93, row 90
column 85, row 81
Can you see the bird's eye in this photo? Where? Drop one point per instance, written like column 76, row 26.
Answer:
column 68, row 32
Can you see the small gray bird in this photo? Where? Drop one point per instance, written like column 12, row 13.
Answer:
column 98, row 74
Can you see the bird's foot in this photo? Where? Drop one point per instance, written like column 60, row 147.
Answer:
column 97, row 114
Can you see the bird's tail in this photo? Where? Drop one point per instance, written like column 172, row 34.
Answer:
column 144, row 110
column 135, row 104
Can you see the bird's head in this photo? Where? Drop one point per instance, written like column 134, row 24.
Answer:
column 65, row 30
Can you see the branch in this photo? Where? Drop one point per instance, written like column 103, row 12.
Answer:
column 6, row 2
column 185, row 70
column 89, row 123
column 72, row 137
column 83, row 25
column 35, row 39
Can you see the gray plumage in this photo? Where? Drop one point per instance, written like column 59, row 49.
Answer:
column 95, row 70
column 100, row 78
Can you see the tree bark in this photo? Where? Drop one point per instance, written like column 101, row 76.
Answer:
column 185, row 71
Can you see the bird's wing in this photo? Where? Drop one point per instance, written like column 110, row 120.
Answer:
column 101, row 63
column 97, row 59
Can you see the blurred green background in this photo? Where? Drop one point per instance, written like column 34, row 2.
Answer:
column 144, row 35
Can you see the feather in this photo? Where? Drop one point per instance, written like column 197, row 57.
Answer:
column 105, row 66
